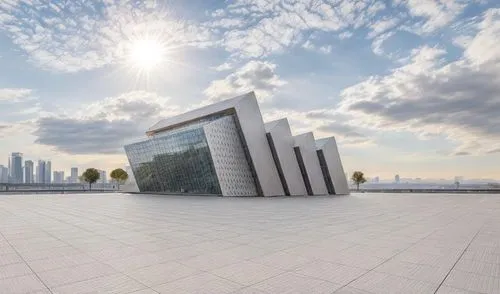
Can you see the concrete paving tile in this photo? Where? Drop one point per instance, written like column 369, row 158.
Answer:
column 414, row 271
column 335, row 273
column 282, row 260
column 472, row 282
column 41, row 265
column 478, row 267
column 10, row 258
column 74, row 274
column 246, row 272
column 14, row 270
column 450, row 290
column 351, row 290
column 295, row 283
column 116, row 283
column 161, row 273
column 21, row 285
column 385, row 284
column 199, row 284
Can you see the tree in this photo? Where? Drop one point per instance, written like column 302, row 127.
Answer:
column 91, row 175
column 119, row 175
column 358, row 178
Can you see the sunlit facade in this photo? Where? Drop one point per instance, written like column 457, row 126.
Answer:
column 221, row 149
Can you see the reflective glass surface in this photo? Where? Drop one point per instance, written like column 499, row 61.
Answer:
column 175, row 161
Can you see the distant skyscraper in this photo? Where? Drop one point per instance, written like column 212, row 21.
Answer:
column 29, row 172
column 396, row 179
column 4, row 174
column 48, row 172
column 74, row 175
column 40, row 172
column 16, row 167
column 102, row 177
column 376, row 179
column 58, row 177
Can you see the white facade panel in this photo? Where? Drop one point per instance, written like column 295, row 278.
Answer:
column 231, row 165
column 332, row 158
column 283, row 142
column 307, row 147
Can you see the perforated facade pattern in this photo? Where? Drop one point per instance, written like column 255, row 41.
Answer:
column 231, row 164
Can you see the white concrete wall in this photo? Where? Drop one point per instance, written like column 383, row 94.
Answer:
column 252, row 126
column 231, row 165
column 307, row 147
column 284, row 143
column 334, row 163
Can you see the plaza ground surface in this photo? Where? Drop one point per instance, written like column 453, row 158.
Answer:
column 142, row 244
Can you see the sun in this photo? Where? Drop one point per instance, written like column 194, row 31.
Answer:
column 146, row 54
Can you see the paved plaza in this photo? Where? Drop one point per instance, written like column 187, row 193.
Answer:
column 142, row 244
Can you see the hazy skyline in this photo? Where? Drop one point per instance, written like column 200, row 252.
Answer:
column 407, row 87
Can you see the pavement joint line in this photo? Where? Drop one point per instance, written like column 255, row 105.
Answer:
column 458, row 259
column 26, row 263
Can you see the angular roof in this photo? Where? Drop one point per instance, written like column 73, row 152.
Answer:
column 320, row 143
column 199, row 113
column 272, row 124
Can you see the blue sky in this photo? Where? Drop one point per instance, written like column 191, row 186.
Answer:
column 409, row 87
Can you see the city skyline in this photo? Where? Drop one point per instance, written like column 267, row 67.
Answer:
column 20, row 170
column 407, row 87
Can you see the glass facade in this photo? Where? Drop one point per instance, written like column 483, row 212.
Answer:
column 175, row 161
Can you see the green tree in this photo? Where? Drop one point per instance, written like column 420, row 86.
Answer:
column 119, row 175
column 91, row 175
column 358, row 178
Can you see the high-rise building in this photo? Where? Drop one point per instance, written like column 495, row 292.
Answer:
column 102, row 177
column 40, row 172
column 74, row 175
column 16, row 167
column 396, row 179
column 48, row 172
column 4, row 174
column 29, row 172
column 58, row 177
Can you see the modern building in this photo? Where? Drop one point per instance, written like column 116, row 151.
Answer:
column 29, row 170
column 48, row 172
column 397, row 179
column 74, row 175
column 40, row 172
column 226, row 149
column 58, row 177
column 16, row 167
column 4, row 174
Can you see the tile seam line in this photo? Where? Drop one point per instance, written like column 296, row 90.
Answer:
column 458, row 259
column 79, row 250
column 26, row 263
column 392, row 257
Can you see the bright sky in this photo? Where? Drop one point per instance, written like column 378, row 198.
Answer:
column 409, row 87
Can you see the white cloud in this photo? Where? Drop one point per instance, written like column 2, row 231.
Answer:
column 71, row 36
column 224, row 67
column 273, row 26
column 14, row 94
column 435, row 13
column 105, row 126
column 258, row 76
column 460, row 99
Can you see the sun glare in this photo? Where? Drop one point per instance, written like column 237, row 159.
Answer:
column 146, row 54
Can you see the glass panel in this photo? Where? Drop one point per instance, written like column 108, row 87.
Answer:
column 175, row 161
